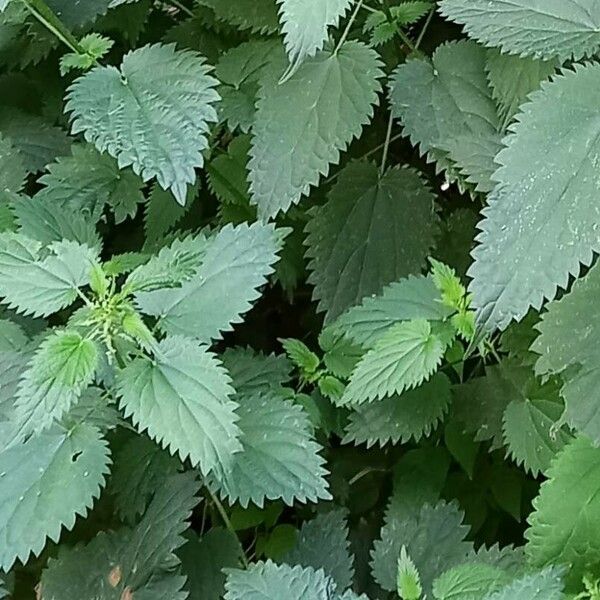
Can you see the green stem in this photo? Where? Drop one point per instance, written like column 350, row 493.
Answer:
column 226, row 522
column 425, row 27
column 40, row 10
column 388, row 14
column 348, row 26
column 386, row 145
column 181, row 7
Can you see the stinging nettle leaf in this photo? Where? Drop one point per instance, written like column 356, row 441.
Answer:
column 279, row 458
column 362, row 239
column 236, row 261
column 324, row 105
column 46, row 482
column 305, row 24
column 542, row 221
column 153, row 113
column 538, row 28
column 182, row 398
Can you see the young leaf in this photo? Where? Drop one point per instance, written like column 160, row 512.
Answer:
column 361, row 239
column 304, row 25
column 152, row 114
column 302, row 357
column 182, row 398
column 408, row 582
column 338, row 91
column 279, row 458
column 235, row 263
column 406, row 300
column 399, row 418
column 63, row 366
column 538, row 28
column 46, row 482
column 40, row 283
column 322, row 543
column 408, row 354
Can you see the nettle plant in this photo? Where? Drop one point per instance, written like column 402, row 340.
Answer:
column 299, row 299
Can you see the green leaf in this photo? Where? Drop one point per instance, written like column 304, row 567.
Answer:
column 563, row 528
column 170, row 268
column 80, row 13
column 259, row 16
column 12, row 171
column 94, row 45
column 322, row 543
column 470, row 581
column 408, row 581
column 434, row 539
column 302, row 357
column 162, row 213
column 444, row 100
column 536, row 178
column 539, row 28
column 152, row 114
column 129, row 563
column 405, row 300
column 203, row 560
column 408, row 354
column 409, row 416
column 252, row 371
column 304, row 24
column 236, row 262
column 140, row 468
column 62, row 368
column 182, row 398
column 268, row 581
column 279, row 458
column 513, row 78
column 86, row 182
column 228, row 175
column 46, row 482
column 39, row 282
column 543, row 585
column 361, row 239
column 38, row 142
column 338, row 92
column 42, row 219
column 341, row 355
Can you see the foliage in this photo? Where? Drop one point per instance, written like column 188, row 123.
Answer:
column 298, row 300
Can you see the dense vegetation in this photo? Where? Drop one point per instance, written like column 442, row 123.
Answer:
column 299, row 299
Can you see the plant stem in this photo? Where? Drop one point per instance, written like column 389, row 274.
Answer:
column 40, row 10
column 348, row 26
column 425, row 27
column 227, row 522
column 388, row 15
column 181, row 7
column 386, row 145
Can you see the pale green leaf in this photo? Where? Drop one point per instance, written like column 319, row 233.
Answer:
column 12, row 171
column 40, row 282
column 408, row 581
column 470, row 581
column 153, row 113
column 236, row 262
column 279, row 458
column 338, row 93
column 301, row 355
column 322, row 543
column 546, row 190
column 539, row 28
column 543, row 585
column 405, row 300
column 62, row 368
column 361, row 239
column 405, row 356
column 401, row 418
column 46, row 482
column 305, row 23
column 182, row 398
